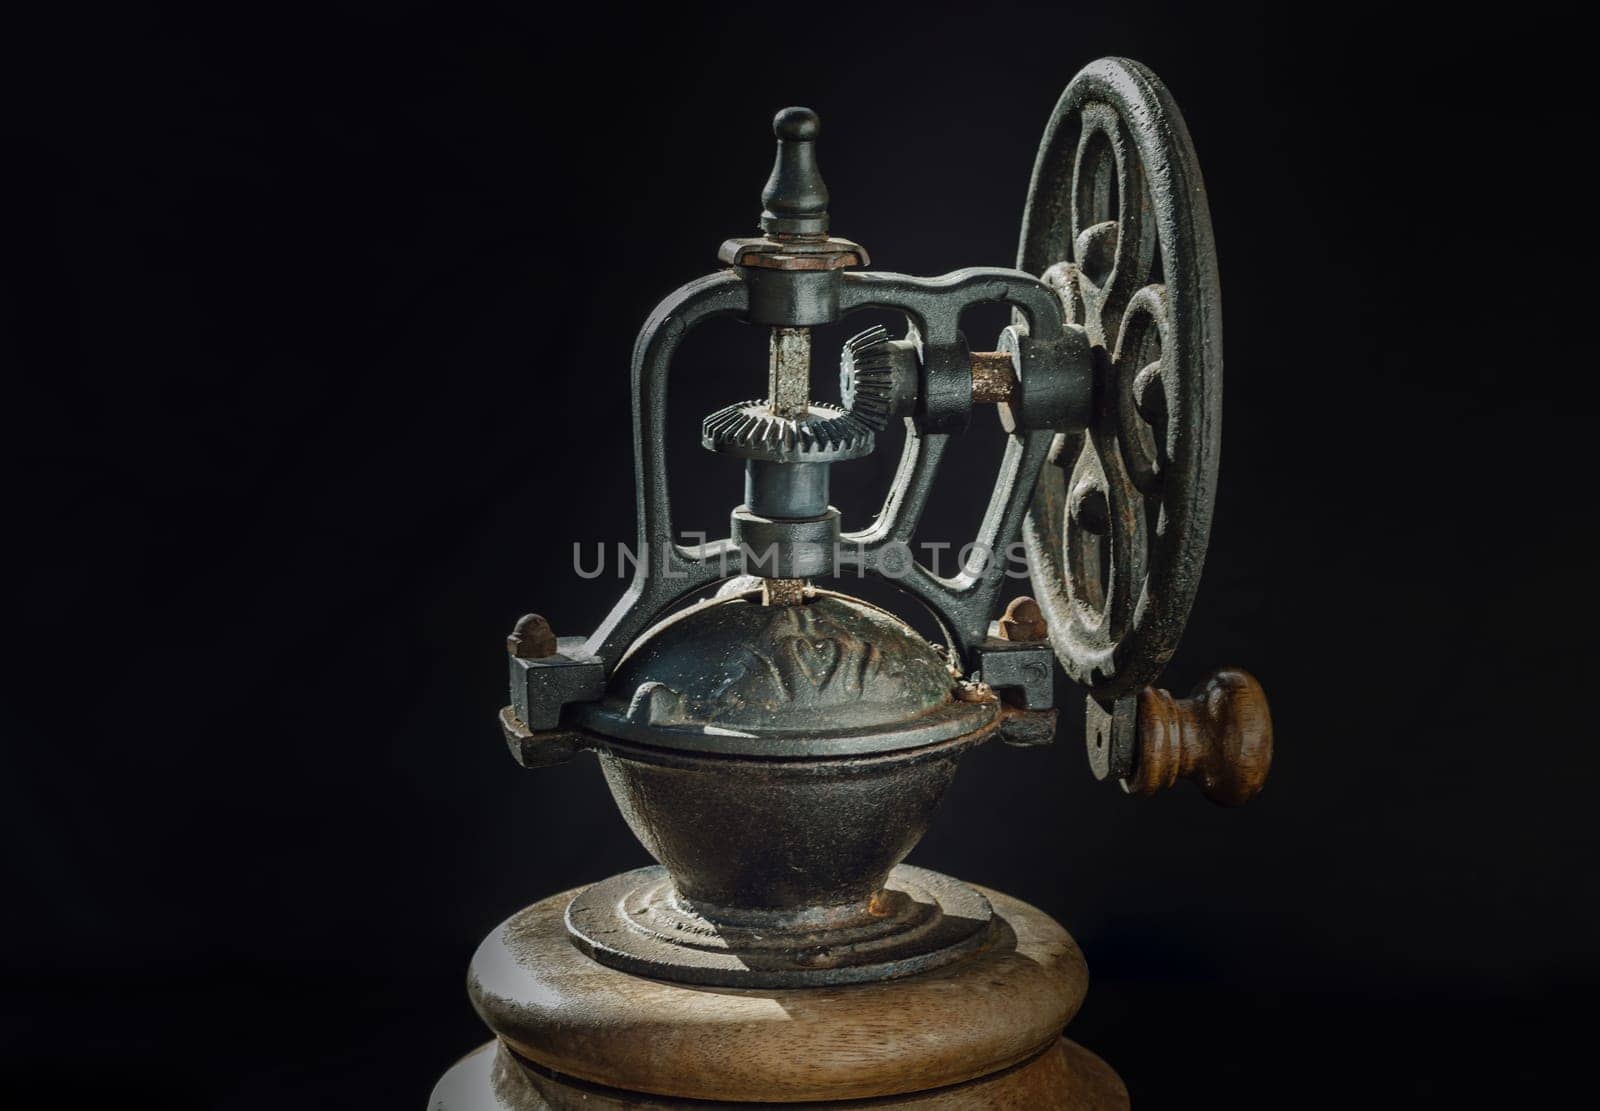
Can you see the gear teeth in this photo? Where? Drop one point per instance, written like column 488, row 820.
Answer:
column 866, row 376
column 750, row 429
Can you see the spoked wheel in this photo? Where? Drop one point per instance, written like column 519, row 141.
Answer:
column 1117, row 224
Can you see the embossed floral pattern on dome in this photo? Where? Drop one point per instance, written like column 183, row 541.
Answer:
column 736, row 664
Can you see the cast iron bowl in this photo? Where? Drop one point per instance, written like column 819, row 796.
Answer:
column 782, row 757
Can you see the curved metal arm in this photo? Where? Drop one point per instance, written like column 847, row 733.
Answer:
column 964, row 603
column 936, row 304
column 666, row 570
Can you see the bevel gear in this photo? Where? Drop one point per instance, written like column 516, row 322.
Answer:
column 878, row 376
column 751, row 430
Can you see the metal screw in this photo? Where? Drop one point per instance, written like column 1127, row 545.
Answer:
column 532, row 639
column 1023, row 621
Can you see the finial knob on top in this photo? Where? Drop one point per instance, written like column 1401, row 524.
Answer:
column 795, row 198
column 797, row 125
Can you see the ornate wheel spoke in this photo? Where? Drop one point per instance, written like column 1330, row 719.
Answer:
column 1129, row 548
column 1063, row 278
column 1117, row 224
column 1142, row 376
column 1085, row 526
column 1112, row 242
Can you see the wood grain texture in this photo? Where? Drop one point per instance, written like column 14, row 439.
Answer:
column 1220, row 737
column 567, row 1013
column 1065, row 1077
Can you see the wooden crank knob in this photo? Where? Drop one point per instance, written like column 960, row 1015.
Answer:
column 1220, row 737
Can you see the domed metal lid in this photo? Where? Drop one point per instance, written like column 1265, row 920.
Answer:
column 832, row 676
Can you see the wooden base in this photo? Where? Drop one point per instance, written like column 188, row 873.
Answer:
column 1066, row 1077
column 984, row 1032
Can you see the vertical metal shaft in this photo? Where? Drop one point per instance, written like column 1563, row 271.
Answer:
column 788, row 395
column 789, row 372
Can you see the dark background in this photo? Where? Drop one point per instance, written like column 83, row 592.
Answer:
column 316, row 327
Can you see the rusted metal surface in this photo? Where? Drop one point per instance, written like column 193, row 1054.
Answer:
column 783, row 592
column 994, row 378
column 532, row 638
column 1023, row 621
column 763, row 253
column 789, row 372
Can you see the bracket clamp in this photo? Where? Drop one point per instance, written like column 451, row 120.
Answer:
column 541, row 688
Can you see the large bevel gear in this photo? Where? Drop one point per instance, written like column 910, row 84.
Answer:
column 751, row 430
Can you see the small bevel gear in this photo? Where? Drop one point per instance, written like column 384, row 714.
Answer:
column 751, row 430
column 878, row 376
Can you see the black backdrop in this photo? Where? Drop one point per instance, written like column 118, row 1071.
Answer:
column 316, row 330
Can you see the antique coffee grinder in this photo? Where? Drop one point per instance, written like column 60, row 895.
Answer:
column 779, row 747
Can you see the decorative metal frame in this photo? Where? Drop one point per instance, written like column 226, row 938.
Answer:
column 780, row 748
column 964, row 603
column 1109, row 384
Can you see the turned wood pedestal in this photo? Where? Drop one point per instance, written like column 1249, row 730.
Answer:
column 984, row 1032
